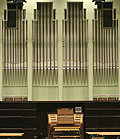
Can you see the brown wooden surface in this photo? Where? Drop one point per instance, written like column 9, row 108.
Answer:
column 103, row 133
column 102, row 99
column 112, row 99
column 9, row 99
column 66, row 136
column 25, row 99
column 97, row 138
column 17, row 99
column 65, row 111
column 11, row 134
column 98, row 116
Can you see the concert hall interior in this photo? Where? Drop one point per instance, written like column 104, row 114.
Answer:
column 59, row 69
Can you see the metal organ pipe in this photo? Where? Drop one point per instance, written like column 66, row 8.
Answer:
column 45, row 48
column 75, row 31
column 105, row 51
column 15, row 52
column 45, row 58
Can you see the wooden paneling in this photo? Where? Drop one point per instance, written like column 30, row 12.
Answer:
column 17, row 117
column 31, row 117
column 65, row 111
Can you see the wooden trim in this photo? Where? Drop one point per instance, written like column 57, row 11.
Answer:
column 66, row 136
column 11, row 134
column 103, row 133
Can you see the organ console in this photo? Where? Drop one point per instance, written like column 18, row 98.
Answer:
column 65, row 124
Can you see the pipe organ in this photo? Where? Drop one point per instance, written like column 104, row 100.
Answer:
column 65, row 124
column 75, row 45
column 43, row 39
column 105, row 47
column 14, row 41
column 45, row 51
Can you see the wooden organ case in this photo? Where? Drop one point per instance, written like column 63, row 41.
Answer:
column 65, row 124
